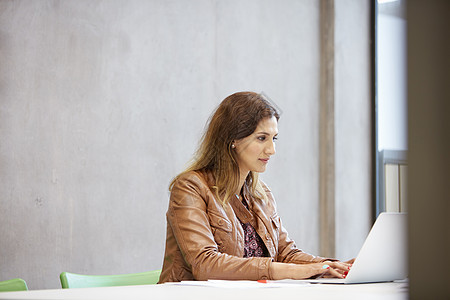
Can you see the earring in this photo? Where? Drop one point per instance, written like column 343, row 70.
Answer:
column 233, row 146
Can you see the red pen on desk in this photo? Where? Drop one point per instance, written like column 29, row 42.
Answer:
column 273, row 281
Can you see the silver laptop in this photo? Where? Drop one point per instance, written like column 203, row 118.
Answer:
column 383, row 256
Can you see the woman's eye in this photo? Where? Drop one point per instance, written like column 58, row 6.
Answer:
column 262, row 138
column 275, row 138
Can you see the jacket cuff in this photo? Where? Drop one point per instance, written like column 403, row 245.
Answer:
column 322, row 259
column 263, row 269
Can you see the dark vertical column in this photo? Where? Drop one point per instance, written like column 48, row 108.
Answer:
column 429, row 151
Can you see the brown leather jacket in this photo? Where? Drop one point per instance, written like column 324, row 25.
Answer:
column 205, row 239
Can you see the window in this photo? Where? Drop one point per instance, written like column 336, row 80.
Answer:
column 390, row 106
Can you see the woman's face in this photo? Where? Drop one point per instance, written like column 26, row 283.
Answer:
column 254, row 151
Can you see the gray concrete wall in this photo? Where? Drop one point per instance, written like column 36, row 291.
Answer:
column 353, row 126
column 103, row 102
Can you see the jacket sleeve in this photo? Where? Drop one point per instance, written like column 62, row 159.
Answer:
column 189, row 221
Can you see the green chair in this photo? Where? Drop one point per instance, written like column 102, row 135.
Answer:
column 71, row 280
column 13, row 285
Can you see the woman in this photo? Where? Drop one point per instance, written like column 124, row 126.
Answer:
column 222, row 221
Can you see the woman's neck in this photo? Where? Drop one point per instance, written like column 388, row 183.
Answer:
column 241, row 182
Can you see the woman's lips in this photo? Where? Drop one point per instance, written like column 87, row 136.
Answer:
column 264, row 160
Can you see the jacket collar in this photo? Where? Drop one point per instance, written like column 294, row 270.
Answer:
column 243, row 214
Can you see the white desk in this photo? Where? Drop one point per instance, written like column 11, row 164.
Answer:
column 385, row 291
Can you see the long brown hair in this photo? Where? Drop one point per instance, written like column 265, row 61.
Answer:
column 235, row 118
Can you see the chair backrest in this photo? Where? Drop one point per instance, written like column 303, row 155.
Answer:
column 71, row 280
column 13, row 285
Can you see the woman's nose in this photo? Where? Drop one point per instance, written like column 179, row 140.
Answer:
column 270, row 150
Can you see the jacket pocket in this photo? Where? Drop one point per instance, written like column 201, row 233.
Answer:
column 275, row 221
column 221, row 229
column 220, row 223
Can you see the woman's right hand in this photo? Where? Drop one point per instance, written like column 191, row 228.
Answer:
column 336, row 269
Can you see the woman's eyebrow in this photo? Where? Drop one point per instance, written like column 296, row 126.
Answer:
column 265, row 133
